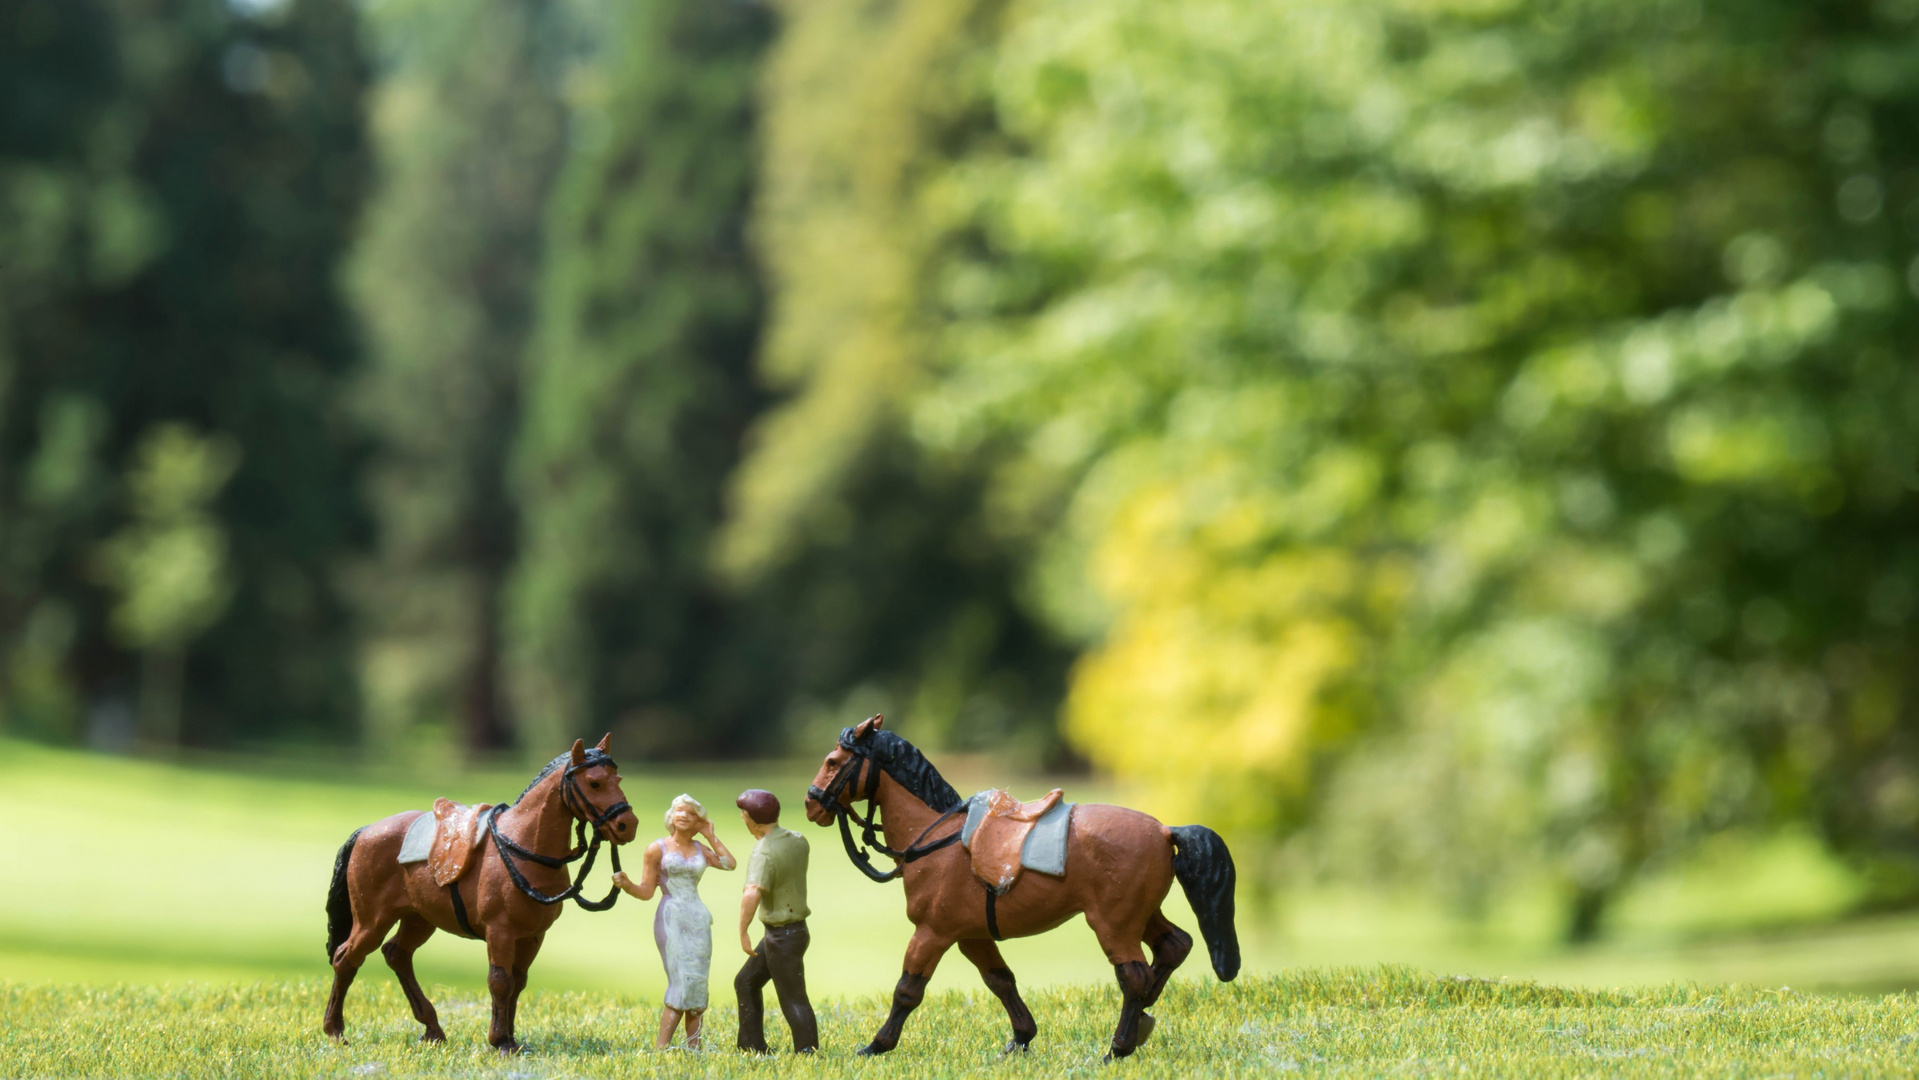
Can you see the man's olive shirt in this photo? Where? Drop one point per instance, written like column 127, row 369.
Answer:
column 778, row 868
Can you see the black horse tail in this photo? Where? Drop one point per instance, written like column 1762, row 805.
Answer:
column 339, row 906
column 1205, row 870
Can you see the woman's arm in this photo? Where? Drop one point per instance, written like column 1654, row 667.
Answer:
column 649, row 875
column 722, row 859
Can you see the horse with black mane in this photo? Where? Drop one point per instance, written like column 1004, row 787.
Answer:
column 508, row 897
column 1113, row 864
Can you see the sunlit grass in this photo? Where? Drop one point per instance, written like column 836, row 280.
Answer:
column 133, row 871
column 1342, row 1022
column 147, row 872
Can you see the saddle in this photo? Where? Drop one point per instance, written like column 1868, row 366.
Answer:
column 447, row 844
column 1005, row 835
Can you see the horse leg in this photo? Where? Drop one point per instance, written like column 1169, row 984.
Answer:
column 999, row 979
column 501, row 954
column 399, row 956
column 346, row 964
column 922, row 956
column 1170, row 946
column 1135, row 982
column 523, row 957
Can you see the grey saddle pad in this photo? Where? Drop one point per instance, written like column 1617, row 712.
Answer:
column 419, row 839
column 1045, row 847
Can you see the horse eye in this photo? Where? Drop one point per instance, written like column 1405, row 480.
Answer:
column 596, row 785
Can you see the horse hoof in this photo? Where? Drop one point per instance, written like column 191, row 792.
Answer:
column 1146, row 1025
column 873, row 1049
column 1014, row 1047
column 433, row 1036
column 508, row 1047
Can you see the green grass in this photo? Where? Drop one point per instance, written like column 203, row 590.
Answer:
column 1339, row 1022
column 215, row 870
column 166, row 919
column 135, row 871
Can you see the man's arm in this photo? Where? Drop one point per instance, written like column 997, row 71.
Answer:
column 749, row 906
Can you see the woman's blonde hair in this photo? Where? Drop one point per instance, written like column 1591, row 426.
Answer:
column 684, row 800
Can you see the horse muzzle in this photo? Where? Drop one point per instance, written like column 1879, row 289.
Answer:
column 817, row 813
column 618, row 827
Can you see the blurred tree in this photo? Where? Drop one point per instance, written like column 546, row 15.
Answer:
column 470, row 125
column 879, row 569
column 59, row 77
column 638, row 389
column 1485, row 429
column 177, row 181
column 169, row 564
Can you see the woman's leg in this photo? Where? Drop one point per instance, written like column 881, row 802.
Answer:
column 693, row 1022
column 669, row 1019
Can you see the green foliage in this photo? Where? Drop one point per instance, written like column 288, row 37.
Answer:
column 1479, row 425
column 469, row 122
column 893, row 591
column 638, row 388
column 177, row 181
column 1382, row 1022
column 169, row 564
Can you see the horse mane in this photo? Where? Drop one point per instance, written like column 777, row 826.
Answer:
column 556, row 763
column 906, row 765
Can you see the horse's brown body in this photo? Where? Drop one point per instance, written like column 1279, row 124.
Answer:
column 384, row 893
column 1119, row 868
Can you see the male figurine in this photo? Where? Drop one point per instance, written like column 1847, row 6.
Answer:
column 776, row 888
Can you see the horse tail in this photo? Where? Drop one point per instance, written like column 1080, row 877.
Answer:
column 339, row 906
column 1205, row 871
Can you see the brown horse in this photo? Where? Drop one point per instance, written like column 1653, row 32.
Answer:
column 1120, row 864
column 508, row 897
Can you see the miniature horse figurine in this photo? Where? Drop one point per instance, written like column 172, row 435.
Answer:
column 507, row 894
column 1119, row 866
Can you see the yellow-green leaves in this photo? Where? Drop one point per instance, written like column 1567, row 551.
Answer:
column 169, row 565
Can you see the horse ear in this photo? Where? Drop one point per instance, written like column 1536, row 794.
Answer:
column 604, row 740
column 579, row 751
column 868, row 726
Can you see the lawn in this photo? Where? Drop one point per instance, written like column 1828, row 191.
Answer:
column 122, row 871
column 166, row 919
column 1337, row 1022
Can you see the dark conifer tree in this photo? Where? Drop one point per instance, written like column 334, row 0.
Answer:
column 471, row 128
column 639, row 386
column 182, row 178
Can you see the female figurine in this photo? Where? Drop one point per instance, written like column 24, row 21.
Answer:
column 682, row 926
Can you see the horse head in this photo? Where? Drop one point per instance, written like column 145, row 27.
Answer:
column 844, row 773
column 590, row 790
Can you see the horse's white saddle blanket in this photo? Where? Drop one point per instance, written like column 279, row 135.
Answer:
column 445, row 838
column 1005, row 836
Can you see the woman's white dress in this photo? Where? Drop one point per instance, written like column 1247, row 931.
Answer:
column 683, row 929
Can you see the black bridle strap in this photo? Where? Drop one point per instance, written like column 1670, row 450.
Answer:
column 576, row 803
column 862, row 859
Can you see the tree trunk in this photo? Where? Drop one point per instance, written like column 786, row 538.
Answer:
column 1588, row 909
column 482, row 704
column 162, row 686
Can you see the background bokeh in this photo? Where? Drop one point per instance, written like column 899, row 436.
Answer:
column 1464, row 450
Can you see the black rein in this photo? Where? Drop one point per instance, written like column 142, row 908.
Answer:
column 577, row 804
column 829, row 797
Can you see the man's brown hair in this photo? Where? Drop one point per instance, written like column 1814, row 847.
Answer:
column 762, row 806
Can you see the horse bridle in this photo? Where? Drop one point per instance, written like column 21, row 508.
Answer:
column 581, row 808
column 829, row 797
